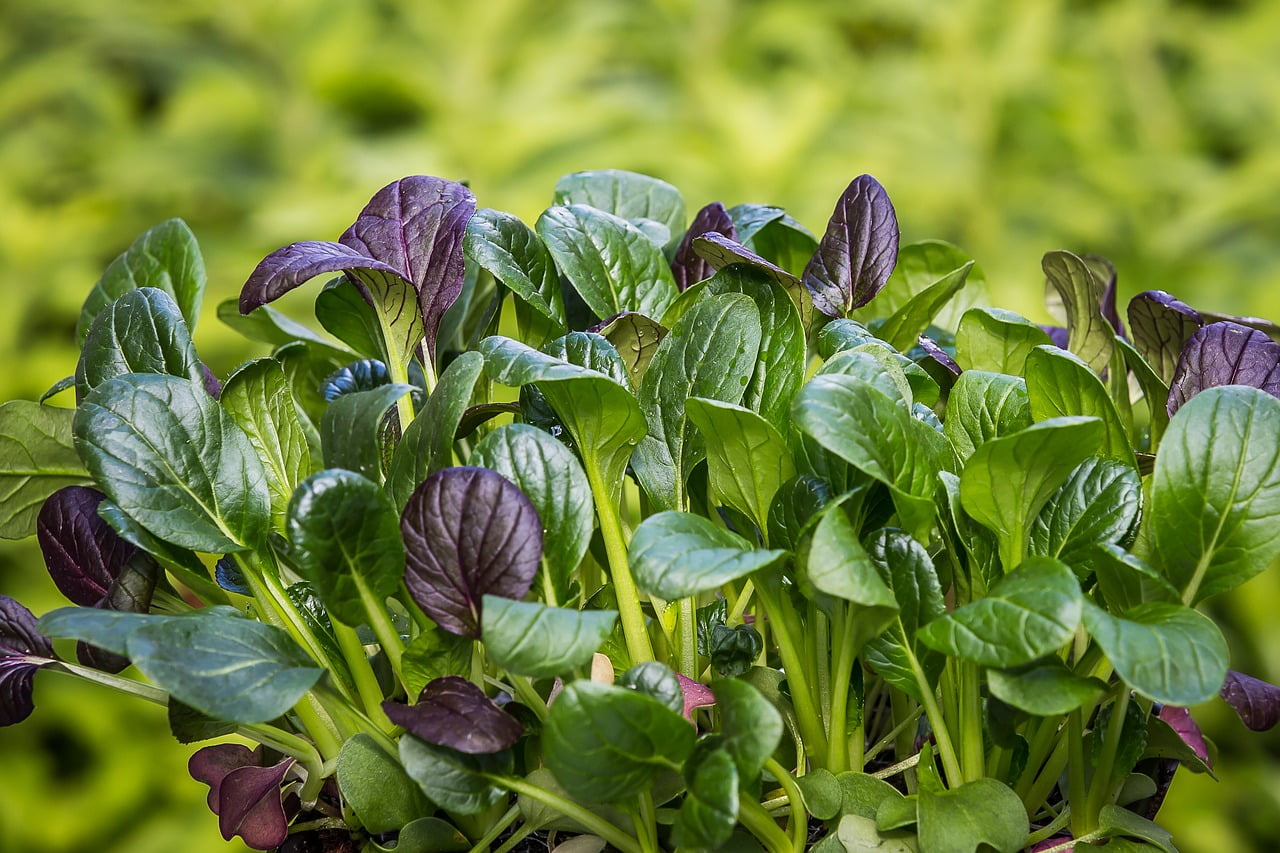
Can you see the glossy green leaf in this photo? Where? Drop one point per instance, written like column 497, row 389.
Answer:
column 456, row 781
column 636, row 338
column 1155, row 391
column 107, row 629
column 996, row 340
column 1044, row 688
column 874, row 364
column 512, row 253
column 553, row 480
column 1032, row 611
column 781, row 240
column 347, row 315
column 171, row 458
column 1117, row 822
column 629, row 195
column 905, row 566
column 862, row 794
column 709, row 810
column 141, row 332
column 750, row 726
column 709, row 352
column 909, row 321
column 1126, row 581
column 606, row 744
column 1061, row 384
column 427, row 444
column 533, row 639
column 1215, row 497
column 434, row 654
column 920, row 266
column 963, row 819
column 376, row 788
column 258, row 399
column 1099, row 503
column 1167, row 652
column 677, row 554
column 37, row 458
column 268, row 326
column 838, row 566
column 842, row 334
column 1089, row 333
column 982, row 406
column 344, row 535
column 349, row 429
column 1007, row 480
column 747, row 460
column 426, row 835
column 165, row 257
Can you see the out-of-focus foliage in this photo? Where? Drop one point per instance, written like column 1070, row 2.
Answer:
column 1143, row 130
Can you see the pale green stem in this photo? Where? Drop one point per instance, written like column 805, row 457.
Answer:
column 588, row 819
column 632, row 617
column 795, row 800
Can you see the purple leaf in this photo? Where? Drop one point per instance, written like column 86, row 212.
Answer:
column 295, row 264
column 688, row 267
column 1161, row 325
column 858, row 251
column 1256, row 701
column 250, row 805
column 468, row 532
column 938, row 354
column 1053, row 844
column 416, row 226
column 211, row 765
column 23, row 650
column 1225, row 354
column 212, row 384
column 83, row 554
column 696, row 695
column 453, row 712
column 1106, row 272
column 1179, row 719
column 1059, row 335
column 720, row 251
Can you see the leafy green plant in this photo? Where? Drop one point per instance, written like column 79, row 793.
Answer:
column 730, row 546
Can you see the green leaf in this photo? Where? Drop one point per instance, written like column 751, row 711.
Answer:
column 920, row 265
column 823, row 795
column 677, row 554
column 230, row 668
column 266, row 325
column 344, row 535
column 37, row 458
column 906, row 568
column 1167, row 652
column 611, row 263
column 1215, row 495
column 1099, row 503
column 165, row 257
column 1044, row 688
column 141, row 332
column 1089, row 333
column 874, row 364
column 709, row 810
column 636, row 338
column 349, row 429
column 347, row 315
column 1155, row 392
column 1125, row 581
column 512, row 253
column 709, row 352
column 840, row 567
column 1114, row 821
column 602, row 416
column 552, row 478
column 109, row 630
column 906, row 324
column 456, row 781
column 963, row 819
column 747, row 460
column 750, row 726
column 258, row 399
column 171, row 458
column 629, row 195
column 1032, row 611
column 982, row 406
column 862, row 794
column 858, row 834
column 376, row 788
column 532, row 639
column 1007, row 480
column 996, row 340
column 1060, row 384
column 841, row 334
column 434, row 654
column 606, row 744
column 426, row 835
column 427, row 444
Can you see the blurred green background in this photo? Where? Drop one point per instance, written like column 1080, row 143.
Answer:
column 1144, row 130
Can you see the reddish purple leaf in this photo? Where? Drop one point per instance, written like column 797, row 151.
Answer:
column 1225, row 354
column 938, row 354
column 211, row 765
column 688, row 267
column 83, row 554
column 858, row 251
column 416, row 226
column 1256, row 701
column 453, row 712
column 212, row 383
column 295, row 264
column 696, row 695
column 468, row 532
column 720, row 251
column 23, row 650
column 1179, row 719
column 251, row 805
column 1161, row 325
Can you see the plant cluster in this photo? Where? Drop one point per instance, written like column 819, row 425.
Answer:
column 716, row 537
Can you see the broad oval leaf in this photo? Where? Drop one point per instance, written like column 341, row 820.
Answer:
column 1060, row 384
column 982, row 406
column 376, row 788
column 629, row 195
column 920, row 266
column 83, row 554
column 1099, row 503
column 454, row 780
column 1167, row 652
column 1224, row 354
column 1043, row 689
column 468, row 532
column 967, row 817
column 1030, row 612
column 858, row 251
column 677, row 554
column 905, row 325
column 996, row 340
column 454, row 713
column 687, row 266
column 538, row 641
column 1125, row 581
column 839, row 566
column 513, row 254
column 349, row 429
column 1215, row 494
column 1161, row 326
column 141, row 332
column 37, row 458
column 747, row 460
column 750, row 726
column 171, row 458
column 344, row 535
column 606, row 744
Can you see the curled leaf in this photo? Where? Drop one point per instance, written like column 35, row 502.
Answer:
column 1180, row 720
column 1161, row 325
column 23, row 650
column 453, row 712
column 244, row 795
column 1254, row 700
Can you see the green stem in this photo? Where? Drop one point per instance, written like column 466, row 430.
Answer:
column 753, row 816
column 1048, row 830
column 887, row 741
column 532, row 700
column 782, row 618
column 514, row 840
column 1101, row 785
column 1076, row 794
column 588, row 819
column 646, row 823
column 497, row 829
column 388, row 637
column 115, row 682
column 947, row 752
column 820, row 658
column 971, row 720
column 795, row 800
column 321, row 732
column 1048, row 776
column 839, row 745
column 361, row 671
column 615, row 546
column 688, row 621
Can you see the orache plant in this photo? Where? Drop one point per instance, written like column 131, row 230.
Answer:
column 717, row 537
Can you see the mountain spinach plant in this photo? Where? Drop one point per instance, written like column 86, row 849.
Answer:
column 656, row 535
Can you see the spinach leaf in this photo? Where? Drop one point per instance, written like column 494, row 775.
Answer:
column 678, row 554
column 37, row 458
column 996, row 340
column 629, row 195
column 1061, row 384
column 141, row 332
column 533, row 639
column 513, row 254
column 747, row 460
column 982, row 406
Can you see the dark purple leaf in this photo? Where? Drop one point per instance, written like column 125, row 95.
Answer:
column 688, row 267
column 696, row 695
column 1105, row 271
column 453, row 712
column 416, row 226
column 1256, row 701
column 1225, row 354
column 720, row 251
column 23, row 650
column 1179, row 719
column 251, row 806
column 211, row 765
column 212, row 383
column 468, row 532
column 295, row 264
column 938, row 354
column 1059, row 335
column 858, row 251
column 83, row 554
column 1161, row 325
